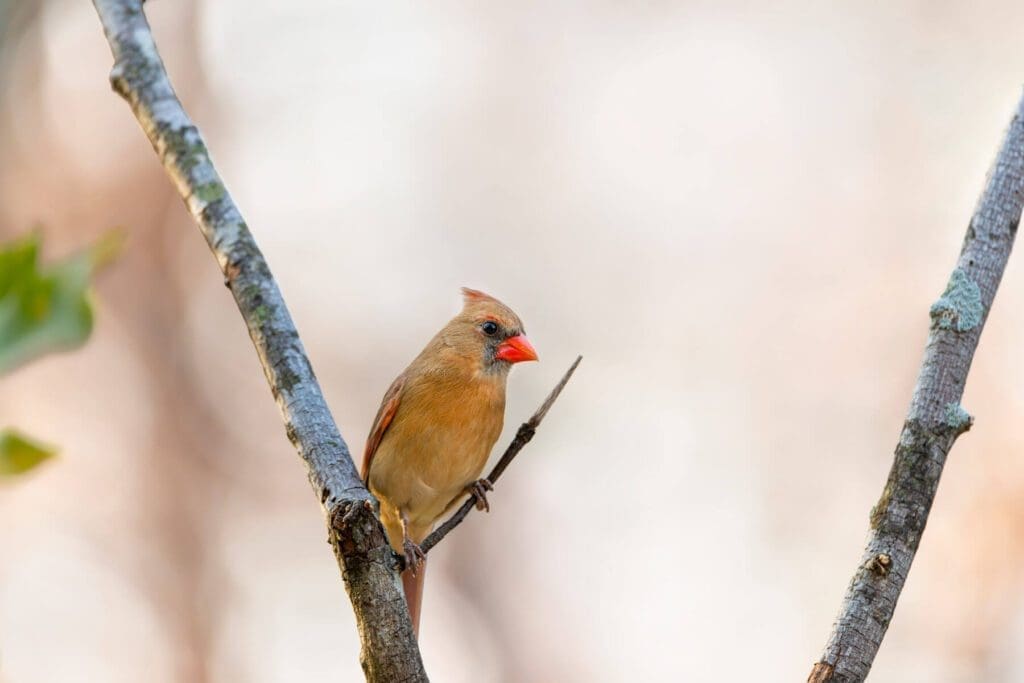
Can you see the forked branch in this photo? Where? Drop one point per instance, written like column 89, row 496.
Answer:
column 368, row 565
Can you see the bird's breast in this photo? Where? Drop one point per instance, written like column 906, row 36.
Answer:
column 438, row 443
column 455, row 430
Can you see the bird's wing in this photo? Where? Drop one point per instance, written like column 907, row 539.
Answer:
column 388, row 408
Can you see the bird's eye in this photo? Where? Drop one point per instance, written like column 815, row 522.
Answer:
column 490, row 328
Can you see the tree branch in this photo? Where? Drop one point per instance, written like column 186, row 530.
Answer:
column 368, row 565
column 522, row 437
column 934, row 421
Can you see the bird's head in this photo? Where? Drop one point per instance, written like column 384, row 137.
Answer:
column 488, row 330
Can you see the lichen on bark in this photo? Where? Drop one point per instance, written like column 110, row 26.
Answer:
column 956, row 416
column 960, row 307
column 934, row 421
column 368, row 565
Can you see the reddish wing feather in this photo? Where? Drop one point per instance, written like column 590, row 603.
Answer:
column 388, row 408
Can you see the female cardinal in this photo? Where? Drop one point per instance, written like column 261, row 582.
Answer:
column 436, row 426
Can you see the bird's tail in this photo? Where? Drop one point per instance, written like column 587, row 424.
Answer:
column 413, row 586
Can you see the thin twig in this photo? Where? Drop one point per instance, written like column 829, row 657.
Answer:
column 934, row 421
column 389, row 648
column 522, row 437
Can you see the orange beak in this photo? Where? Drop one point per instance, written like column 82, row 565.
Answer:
column 516, row 350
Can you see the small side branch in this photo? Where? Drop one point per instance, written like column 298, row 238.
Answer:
column 368, row 566
column 934, row 421
column 522, row 437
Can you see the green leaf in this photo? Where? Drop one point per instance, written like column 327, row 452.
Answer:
column 46, row 309
column 19, row 454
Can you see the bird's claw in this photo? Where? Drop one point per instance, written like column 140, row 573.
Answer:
column 478, row 489
column 414, row 555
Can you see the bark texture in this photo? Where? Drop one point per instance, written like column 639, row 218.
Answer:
column 934, row 421
column 369, row 567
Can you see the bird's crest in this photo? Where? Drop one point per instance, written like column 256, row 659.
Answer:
column 474, row 295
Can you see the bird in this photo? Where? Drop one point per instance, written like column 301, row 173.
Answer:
column 436, row 426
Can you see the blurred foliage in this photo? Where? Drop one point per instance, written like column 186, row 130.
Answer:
column 18, row 453
column 43, row 309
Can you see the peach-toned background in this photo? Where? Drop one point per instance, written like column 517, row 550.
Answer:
column 738, row 214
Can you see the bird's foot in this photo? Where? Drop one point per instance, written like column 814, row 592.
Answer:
column 414, row 555
column 478, row 489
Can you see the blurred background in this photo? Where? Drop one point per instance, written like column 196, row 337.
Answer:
column 739, row 214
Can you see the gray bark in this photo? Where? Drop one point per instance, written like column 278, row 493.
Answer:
column 934, row 421
column 368, row 565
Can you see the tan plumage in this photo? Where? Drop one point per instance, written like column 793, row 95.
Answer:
column 438, row 422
